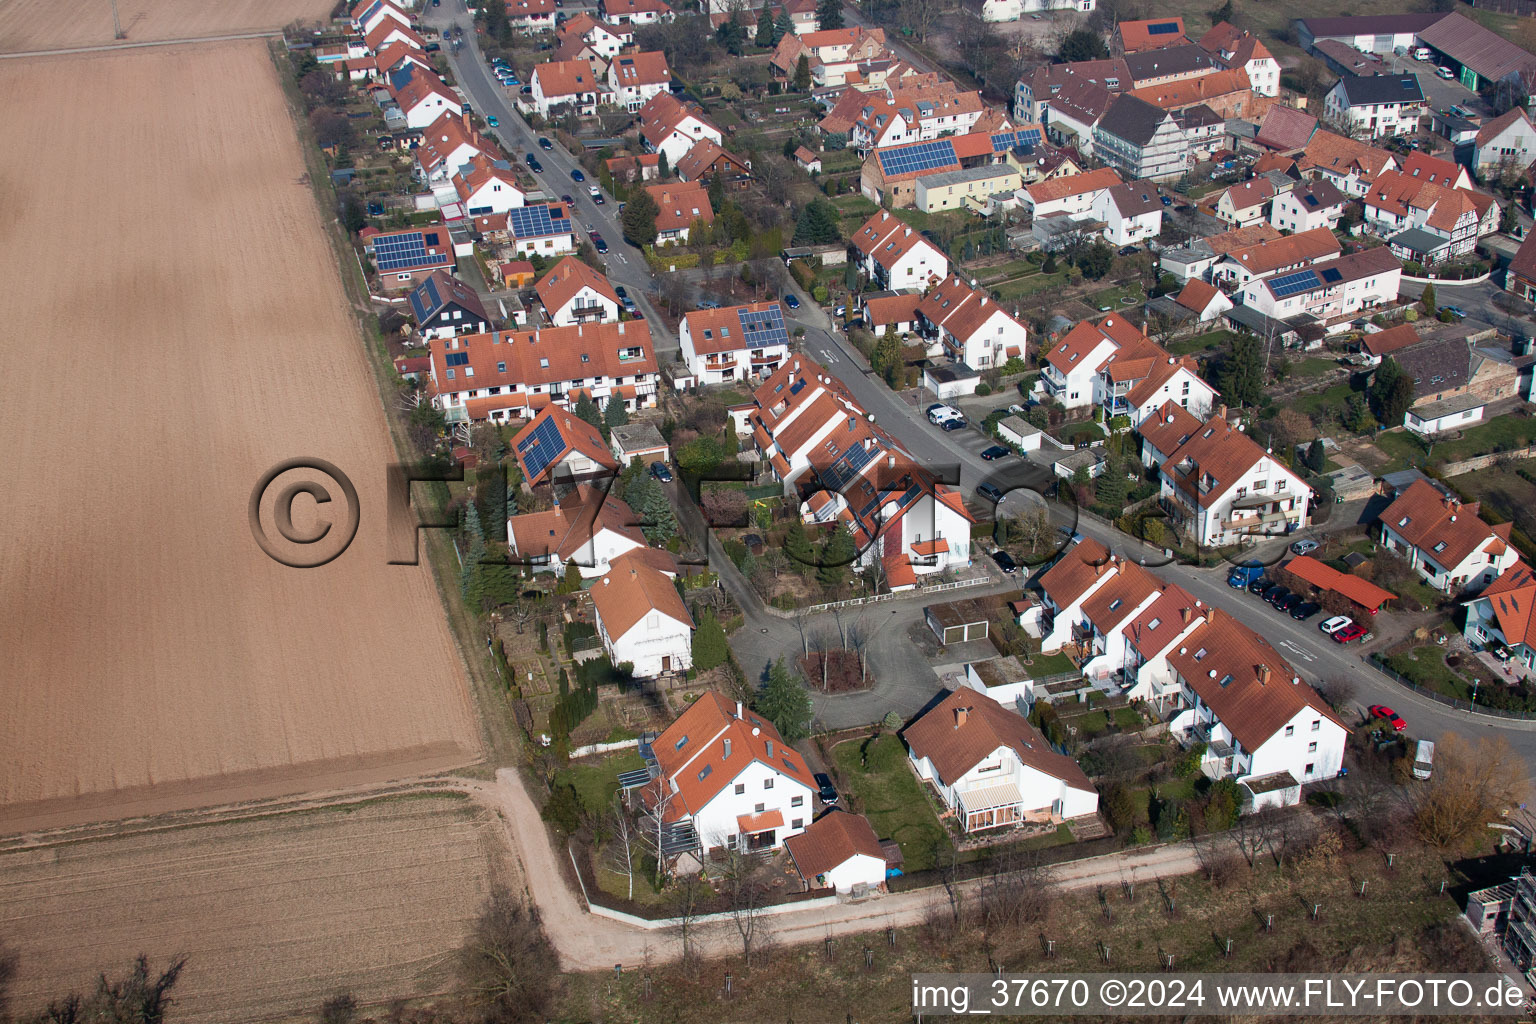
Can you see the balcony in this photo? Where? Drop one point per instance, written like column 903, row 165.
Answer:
column 1260, row 521
column 1052, row 387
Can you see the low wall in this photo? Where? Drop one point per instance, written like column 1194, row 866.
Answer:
column 1478, row 462
column 604, row 748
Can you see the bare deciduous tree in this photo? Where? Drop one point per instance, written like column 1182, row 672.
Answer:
column 745, row 896
column 689, row 892
column 1471, row 786
column 508, row 966
column 625, row 843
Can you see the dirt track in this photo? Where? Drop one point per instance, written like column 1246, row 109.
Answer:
column 181, row 328
column 42, row 24
column 275, row 914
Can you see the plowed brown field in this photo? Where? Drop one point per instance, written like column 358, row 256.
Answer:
column 27, row 25
column 275, row 914
column 175, row 327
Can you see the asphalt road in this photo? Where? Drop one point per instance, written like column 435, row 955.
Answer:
column 624, row 264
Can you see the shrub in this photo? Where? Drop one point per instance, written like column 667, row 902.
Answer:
column 983, row 389
column 819, row 293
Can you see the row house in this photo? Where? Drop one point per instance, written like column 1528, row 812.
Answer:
column 487, row 185
column 1221, row 488
column 1035, row 90
column 895, row 257
column 1348, row 164
column 1228, row 94
column 1274, row 255
column 1501, row 614
column 1168, row 64
column 574, row 293
column 636, row 12
column 388, row 32
column 506, row 375
column 670, row 127
column 722, row 778
column 566, row 83
column 1445, row 541
column 444, row 306
column 1074, row 111
column 845, row 471
column 971, row 328
column 637, row 78
column 736, row 343
column 531, row 16
column 1341, row 287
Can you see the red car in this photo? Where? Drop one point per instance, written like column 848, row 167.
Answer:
column 1384, row 712
column 1354, row 631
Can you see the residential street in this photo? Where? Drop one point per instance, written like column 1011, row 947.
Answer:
column 624, row 264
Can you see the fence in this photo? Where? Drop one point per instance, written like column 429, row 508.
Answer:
column 855, row 601
column 1449, row 701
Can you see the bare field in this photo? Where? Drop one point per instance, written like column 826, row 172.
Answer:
column 177, row 327
column 27, row 25
column 274, row 914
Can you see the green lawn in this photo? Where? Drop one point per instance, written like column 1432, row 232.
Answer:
column 892, row 798
column 597, row 780
column 1126, row 718
column 1029, row 285
column 1313, row 366
column 1331, row 399
column 1200, row 343
column 1426, row 666
column 1111, row 296
column 1500, row 434
column 1074, row 432
column 1044, row 665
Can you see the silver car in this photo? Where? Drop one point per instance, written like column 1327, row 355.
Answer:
column 1304, row 547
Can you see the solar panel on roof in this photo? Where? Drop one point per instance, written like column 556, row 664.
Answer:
column 924, row 157
column 763, row 328
column 535, row 221
column 1163, row 28
column 837, row 475
column 1330, row 275
column 796, row 387
column 540, row 448
column 1293, row 284
column 399, row 252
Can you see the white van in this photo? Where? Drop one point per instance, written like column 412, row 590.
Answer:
column 1422, row 53
column 1423, row 759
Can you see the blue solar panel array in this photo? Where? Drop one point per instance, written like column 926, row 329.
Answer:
column 906, row 499
column 1004, row 141
column 1163, row 28
column 405, row 251
column 425, row 301
column 401, row 76
column 836, row 476
column 537, row 221
column 1293, row 284
column 926, row 156
column 763, row 328
column 540, row 448
column 1332, row 276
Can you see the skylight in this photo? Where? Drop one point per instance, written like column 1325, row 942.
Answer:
column 1200, row 654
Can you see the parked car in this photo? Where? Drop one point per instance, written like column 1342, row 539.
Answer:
column 1445, row 73
column 433, row 47
column 1304, row 547
column 576, row 174
column 596, row 193
column 1304, row 611
column 1424, row 759
column 545, row 143
column 492, row 120
column 824, row 788
column 1129, row 250
column 597, row 240
column 1244, row 575
column 990, row 491
column 1387, row 714
column 1005, row 561
column 791, row 300
column 995, row 452
column 1261, row 586
column 618, row 290
column 534, row 165
column 630, row 307
column 1166, row 201
column 1277, row 596
column 1290, row 604
column 566, row 199
column 1333, row 625
column 958, row 423
column 1455, row 311
column 708, row 304
column 938, row 412
column 1351, row 632
column 660, row 471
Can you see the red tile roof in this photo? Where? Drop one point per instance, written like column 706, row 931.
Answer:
column 1512, row 598
column 1217, row 449
column 887, row 238
column 1428, row 519
column 545, row 355
column 1330, row 152
column 631, row 70
column 1285, row 128
column 1072, row 185
column 1247, row 194
column 960, row 309
column 569, row 527
column 568, row 277
column 1136, row 36
column 1187, row 92
column 891, row 309
column 566, row 78
column 575, row 435
column 1287, row 251
column 1324, row 577
column 680, row 204
column 1169, row 427
column 719, row 330
column 697, row 739
column 1197, row 294
column 628, row 593
column 1390, row 340
column 955, row 747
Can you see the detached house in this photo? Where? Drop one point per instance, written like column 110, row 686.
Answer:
column 1234, row 48
column 605, row 40
column 1221, row 488
column 367, row 16
column 1505, row 146
column 1245, row 203
column 671, row 128
column 706, row 159
column 642, row 620
column 574, row 293
column 725, row 778
column 679, row 208
column 565, row 83
column 588, row 528
column 447, row 144
column 1503, row 614
column 530, row 16
column 895, row 257
column 1132, row 213
column 636, row 78
column 545, row 229
column 1308, row 206
column 737, row 343
column 839, row 850
column 556, row 447
column 1452, row 549
column 991, row 768
column 1072, row 194
column 635, row 12
column 445, row 306
column 972, row 328
column 1110, row 363
column 486, row 185
column 1348, row 164
column 1274, row 255
column 1375, row 106
column 423, row 98
column 404, row 259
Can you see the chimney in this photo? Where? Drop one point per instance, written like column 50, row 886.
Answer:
column 1263, row 674
column 1221, row 411
column 738, row 710
column 621, row 328
column 727, row 755
column 1210, row 614
column 960, row 716
column 1185, row 614
column 1098, row 569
